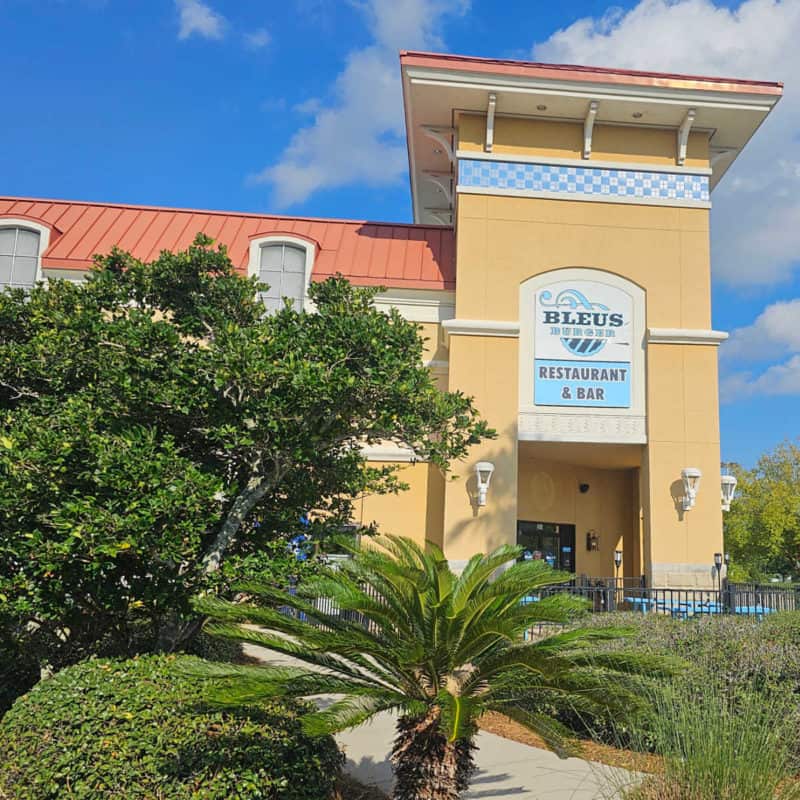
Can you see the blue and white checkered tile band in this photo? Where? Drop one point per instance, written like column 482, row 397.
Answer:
column 557, row 179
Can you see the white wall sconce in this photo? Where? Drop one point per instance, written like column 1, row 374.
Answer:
column 691, row 483
column 728, row 486
column 483, row 472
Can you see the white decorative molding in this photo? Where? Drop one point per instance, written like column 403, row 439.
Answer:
column 72, row 275
column 590, row 427
column 389, row 452
column 442, row 135
column 491, row 106
column 419, row 305
column 634, row 166
column 683, row 135
column 584, row 198
column 685, row 336
column 588, row 127
column 444, row 182
column 481, row 327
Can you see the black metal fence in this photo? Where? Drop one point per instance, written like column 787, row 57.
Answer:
column 630, row 594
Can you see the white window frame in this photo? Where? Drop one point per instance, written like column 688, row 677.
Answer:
column 36, row 227
column 281, row 238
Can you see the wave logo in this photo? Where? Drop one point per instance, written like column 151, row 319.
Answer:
column 572, row 308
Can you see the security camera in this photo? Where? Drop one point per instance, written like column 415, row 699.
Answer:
column 583, row 487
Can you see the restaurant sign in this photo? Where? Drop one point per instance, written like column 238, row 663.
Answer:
column 583, row 342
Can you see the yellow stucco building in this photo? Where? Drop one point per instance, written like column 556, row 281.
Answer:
column 581, row 315
column 559, row 266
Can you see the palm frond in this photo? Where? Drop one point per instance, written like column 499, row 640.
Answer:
column 349, row 712
column 555, row 735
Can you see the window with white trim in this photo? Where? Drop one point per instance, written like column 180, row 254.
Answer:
column 19, row 257
column 283, row 267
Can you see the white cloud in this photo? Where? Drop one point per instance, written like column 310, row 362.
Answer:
column 257, row 39
column 779, row 379
column 774, row 334
column 199, row 19
column 773, row 337
column 311, row 106
column 756, row 217
column 358, row 135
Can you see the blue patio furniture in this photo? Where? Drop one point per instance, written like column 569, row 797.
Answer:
column 680, row 610
column 757, row 611
column 641, row 604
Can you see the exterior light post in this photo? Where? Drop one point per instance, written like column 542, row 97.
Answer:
column 617, row 565
column 728, row 489
column 718, row 566
column 691, row 483
column 727, row 559
column 483, row 473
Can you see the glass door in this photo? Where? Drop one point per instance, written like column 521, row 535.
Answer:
column 548, row 541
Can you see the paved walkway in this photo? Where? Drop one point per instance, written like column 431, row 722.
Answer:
column 506, row 769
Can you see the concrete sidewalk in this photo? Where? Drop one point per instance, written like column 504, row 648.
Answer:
column 506, row 769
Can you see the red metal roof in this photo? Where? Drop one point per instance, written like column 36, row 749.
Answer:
column 566, row 72
column 368, row 253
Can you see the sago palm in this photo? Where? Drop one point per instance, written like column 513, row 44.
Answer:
column 437, row 648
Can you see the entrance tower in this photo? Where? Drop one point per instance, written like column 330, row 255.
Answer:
column 581, row 318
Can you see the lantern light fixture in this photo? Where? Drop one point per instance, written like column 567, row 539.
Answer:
column 483, row 473
column 728, row 487
column 618, row 558
column 691, row 483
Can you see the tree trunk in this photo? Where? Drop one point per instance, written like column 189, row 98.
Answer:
column 426, row 765
column 242, row 506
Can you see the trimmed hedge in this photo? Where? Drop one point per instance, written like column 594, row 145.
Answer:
column 140, row 729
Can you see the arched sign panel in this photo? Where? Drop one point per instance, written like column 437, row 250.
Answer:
column 581, row 350
column 582, row 345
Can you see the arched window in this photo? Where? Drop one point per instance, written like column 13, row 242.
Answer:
column 19, row 256
column 284, row 264
column 283, row 267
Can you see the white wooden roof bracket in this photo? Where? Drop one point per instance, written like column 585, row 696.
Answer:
column 444, row 215
column 718, row 153
column 490, row 109
column 444, row 180
column 443, row 135
column 588, row 128
column 683, row 135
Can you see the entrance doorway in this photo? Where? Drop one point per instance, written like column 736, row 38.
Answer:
column 551, row 542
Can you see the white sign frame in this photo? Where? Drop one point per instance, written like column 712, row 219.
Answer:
column 581, row 423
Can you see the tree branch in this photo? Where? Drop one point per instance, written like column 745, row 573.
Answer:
column 257, row 487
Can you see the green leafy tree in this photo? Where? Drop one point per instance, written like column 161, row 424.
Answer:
column 762, row 529
column 437, row 648
column 155, row 424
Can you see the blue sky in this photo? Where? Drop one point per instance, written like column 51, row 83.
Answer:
column 234, row 104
